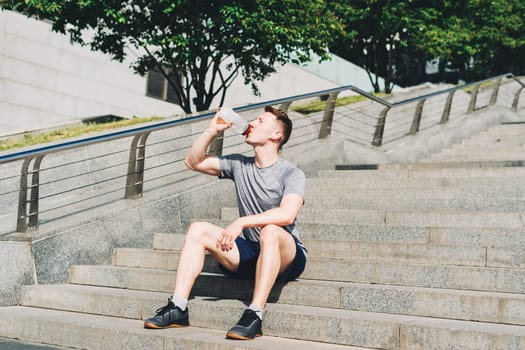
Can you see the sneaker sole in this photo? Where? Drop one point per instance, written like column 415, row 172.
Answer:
column 240, row 337
column 154, row 326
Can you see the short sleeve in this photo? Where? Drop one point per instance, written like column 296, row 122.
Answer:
column 225, row 168
column 228, row 164
column 295, row 182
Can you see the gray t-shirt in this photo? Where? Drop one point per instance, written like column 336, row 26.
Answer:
column 261, row 189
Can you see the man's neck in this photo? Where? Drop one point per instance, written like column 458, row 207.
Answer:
column 265, row 157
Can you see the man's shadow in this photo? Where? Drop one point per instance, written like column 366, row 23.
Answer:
column 216, row 286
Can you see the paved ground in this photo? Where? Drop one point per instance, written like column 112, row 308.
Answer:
column 13, row 344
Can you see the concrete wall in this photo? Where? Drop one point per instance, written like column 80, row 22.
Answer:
column 16, row 269
column 342, row 72
column 47, row 81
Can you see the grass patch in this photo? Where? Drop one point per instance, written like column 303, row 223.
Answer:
column 31, row 139
column 317, row 106
column 481, row 86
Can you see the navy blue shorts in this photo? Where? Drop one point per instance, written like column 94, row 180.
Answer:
column 249, row 253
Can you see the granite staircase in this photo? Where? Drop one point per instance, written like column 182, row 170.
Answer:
column 421, row 256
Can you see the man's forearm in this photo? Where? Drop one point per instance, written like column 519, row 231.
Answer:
column 281, row 216
column 198, row 150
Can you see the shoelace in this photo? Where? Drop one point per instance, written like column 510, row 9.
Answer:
column 163, row 309
column 247, row 318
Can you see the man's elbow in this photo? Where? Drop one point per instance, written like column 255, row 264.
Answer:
column 288, row 220
column 189, row 164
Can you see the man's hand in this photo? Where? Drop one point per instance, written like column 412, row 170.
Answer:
column 229, row 235
column 219, row 124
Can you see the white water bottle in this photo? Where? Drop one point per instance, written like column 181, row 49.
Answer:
column 228, row 115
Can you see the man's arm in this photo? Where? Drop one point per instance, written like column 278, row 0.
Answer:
column 197, row 159
column 283, row 215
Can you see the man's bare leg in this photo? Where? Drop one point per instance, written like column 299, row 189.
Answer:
column 277, row 253
column 201, row 237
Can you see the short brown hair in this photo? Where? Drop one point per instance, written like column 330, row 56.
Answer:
column 282, row 116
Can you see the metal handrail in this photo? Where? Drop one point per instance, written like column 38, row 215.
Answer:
column 59, row 146
column 155, row 126
column 32, row 157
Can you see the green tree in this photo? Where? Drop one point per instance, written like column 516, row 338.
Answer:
column 480, row 37
column 379, row 35
column 498, row 32
column 199, row 46
column 393, row 38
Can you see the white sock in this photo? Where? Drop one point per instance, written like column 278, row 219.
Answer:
column 257, row 310
column 180, row 302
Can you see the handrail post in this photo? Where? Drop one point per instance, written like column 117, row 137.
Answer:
column 380, row 127
column 516, row 99
column 216, row 146
column 473, row 98
column 285, row 105
column 414, row 128
column 137, row 158
column 27, row 218
column 494, row 96
column 328, row 116
column 448, row 106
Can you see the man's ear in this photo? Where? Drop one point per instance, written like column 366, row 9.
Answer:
column 277, row 136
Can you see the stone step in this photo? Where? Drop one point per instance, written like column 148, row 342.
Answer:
column 486, row 148
column 284, row 321
column 482, row 236
column 430, row 170
column 491, row 144
column 474, row 192
column 495, row 279
column 332, row 231
column 502, row 130
column 418, row 275
column 95, row 332
column 455, row 168
column 496, row 139
column 399, row 202
column 378, row 181
column 371, row 330
column 17, row 344
column 413, row 253
column 516, row 139
column 361, row 232
column 435, row 234
column 491, row 237
column 483, row 151
column 471, row 163
column 518, row 156
column 369, row 251
column 405, row 218
column 411, row 301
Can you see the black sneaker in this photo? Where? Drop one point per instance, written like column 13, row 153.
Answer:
column 248, row 327
column 169, row 316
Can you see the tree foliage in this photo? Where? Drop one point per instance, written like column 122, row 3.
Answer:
column 199, row 46
column 394, row 38
column 377, row 35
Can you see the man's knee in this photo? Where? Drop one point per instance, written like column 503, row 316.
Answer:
column 196, row 231
column 270, row 234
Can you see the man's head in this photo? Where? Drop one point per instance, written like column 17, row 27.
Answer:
column 283, row 120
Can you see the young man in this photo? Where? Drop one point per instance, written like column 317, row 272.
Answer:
column 270, row 193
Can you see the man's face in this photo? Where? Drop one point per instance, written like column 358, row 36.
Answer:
column 264, row 128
